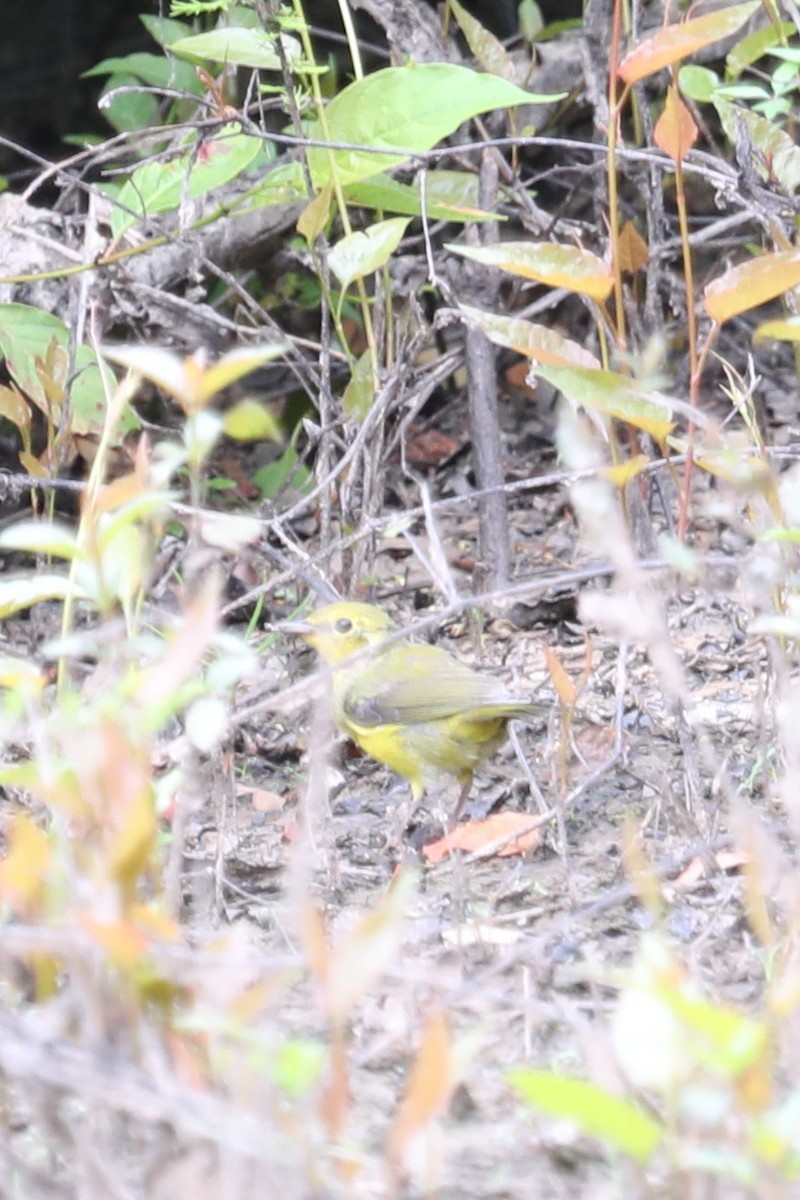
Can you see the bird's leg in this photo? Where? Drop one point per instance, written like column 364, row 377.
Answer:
column 466, row 784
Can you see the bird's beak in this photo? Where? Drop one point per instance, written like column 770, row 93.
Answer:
column 296, row 628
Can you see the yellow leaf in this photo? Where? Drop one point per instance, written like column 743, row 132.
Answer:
column 569, row 267
column 752, row 283
column 622, row 474
column 133, row 844
column 23, row 872
column 314, row 216
column 120, row 940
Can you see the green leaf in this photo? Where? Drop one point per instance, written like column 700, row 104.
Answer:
column 25, row 335
column 618, row 1124
column 749, row 49
column 403, row 110
column 23, row 592
column 609, row 394
column 487, row 49
column 286, row 472
column 234, row 44
column 249, row 421
column 362, row 253
column 165, row 30
column 152, row 69
column 555, row 266
column 449, row 196
column 282, row 185
column 531, row 21
column 776, row 158
column 40, row 537
column 160, row 186
column 787, row 330
column 698, row 83
column 128, row 110
column 296, row 1065
column 537, row 342
column 360, row 391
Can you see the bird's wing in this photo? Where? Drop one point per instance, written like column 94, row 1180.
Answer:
column 420, row 684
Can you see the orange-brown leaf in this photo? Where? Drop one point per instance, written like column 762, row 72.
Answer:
column 511, row 829
column 752, row 283
column 675, row 132
column 633, row 250
column 565, row 688
column 430, row 1083
column 671, row 45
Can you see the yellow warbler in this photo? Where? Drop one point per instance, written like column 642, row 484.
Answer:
column 415, row 708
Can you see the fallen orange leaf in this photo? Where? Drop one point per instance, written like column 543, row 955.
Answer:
column 512, row 830
column 726, row 860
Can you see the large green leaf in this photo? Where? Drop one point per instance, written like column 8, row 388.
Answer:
column 402, row 111
column 284, row 184
column 159, row 186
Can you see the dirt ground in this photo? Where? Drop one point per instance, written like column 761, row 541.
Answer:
column 521, row 953
column 663, row 782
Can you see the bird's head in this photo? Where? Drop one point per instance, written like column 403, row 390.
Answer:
column 338, row 631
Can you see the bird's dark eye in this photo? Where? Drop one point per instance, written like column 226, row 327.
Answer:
column 343, row 625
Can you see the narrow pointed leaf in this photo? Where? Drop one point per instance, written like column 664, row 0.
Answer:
column 449, row 196
column 752, row 283
column 235, row 45
column 40, row 537
column 670, row 46
column 19, row 593
column 536, row 342
column 488, row 50
column 609, row 394
column 234, row 365
column 555, row 266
